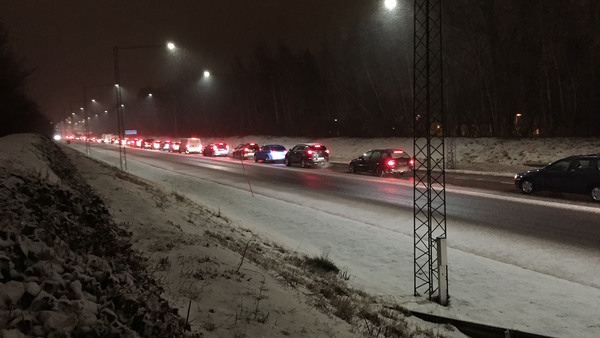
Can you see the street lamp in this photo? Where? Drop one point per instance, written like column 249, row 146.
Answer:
column 121, row 128
column 390, row 4
column 87, row 118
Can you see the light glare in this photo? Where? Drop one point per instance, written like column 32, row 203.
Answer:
column 206, row 73
column 390, row 4
column 171, row 46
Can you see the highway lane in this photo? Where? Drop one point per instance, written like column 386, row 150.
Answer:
column 500, row 208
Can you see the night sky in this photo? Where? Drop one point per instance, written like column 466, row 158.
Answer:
column 69, row 44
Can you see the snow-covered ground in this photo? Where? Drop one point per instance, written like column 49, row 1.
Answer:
column 504, row 286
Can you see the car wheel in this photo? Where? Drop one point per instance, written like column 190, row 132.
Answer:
column 379, row 172
column 352, row 168
column 287, row 162
column 527, row 187
column 595, row 194
column 255, row 159
column 303, row 163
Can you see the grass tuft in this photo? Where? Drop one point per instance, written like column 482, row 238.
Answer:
column 321, row 264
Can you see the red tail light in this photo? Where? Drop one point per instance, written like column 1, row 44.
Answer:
column 309, row 151
column 246, row 150
column 327, row 151
column 411, row 162
column 215, row 148
column 391, row 163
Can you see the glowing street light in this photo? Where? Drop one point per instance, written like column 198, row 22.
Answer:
column 206, row 74
column 390, row 4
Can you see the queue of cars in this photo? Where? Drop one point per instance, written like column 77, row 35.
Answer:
column 578, row 174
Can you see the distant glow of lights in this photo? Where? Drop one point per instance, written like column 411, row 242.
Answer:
column 150, row 94
column 93, row 100
column 390, row 4
column 57, row 137
column 171, row 46
column 206, row 74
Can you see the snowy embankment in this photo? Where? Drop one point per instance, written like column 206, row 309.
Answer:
column 66, row 269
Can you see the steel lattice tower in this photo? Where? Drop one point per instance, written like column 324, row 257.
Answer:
column 429, row 174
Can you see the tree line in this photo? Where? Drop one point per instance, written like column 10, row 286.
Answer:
column 18, row 112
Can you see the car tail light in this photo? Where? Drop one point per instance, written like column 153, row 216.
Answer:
column 246, row 150
column 398, row 151
column 411, row 162
column 327, row 151
column 227, row 147
column 214, row 148
column 317, row 145
column 391, row 163
column 309, row 151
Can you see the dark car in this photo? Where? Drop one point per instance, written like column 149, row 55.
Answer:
column 575, row 174
column 216, row 149
column 166, row 145
column 245, row 150
column 381, row 162
column 270, row 153
column 147, row 144
column 307, row 154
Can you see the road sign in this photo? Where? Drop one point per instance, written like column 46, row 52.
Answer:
column 130, row 132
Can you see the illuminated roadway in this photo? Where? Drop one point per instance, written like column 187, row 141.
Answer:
column 488, row 201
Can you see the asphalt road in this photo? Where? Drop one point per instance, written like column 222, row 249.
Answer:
column 491, row 202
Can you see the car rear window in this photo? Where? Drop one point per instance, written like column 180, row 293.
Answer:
column 281, row 148
column 403, row 155
column 317, row 148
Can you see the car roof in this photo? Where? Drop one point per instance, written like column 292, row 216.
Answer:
column 582, row 156
column 310, row 144
column 386, row 149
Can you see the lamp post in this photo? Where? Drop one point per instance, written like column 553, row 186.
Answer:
column 86, row 115
column 120, row 125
